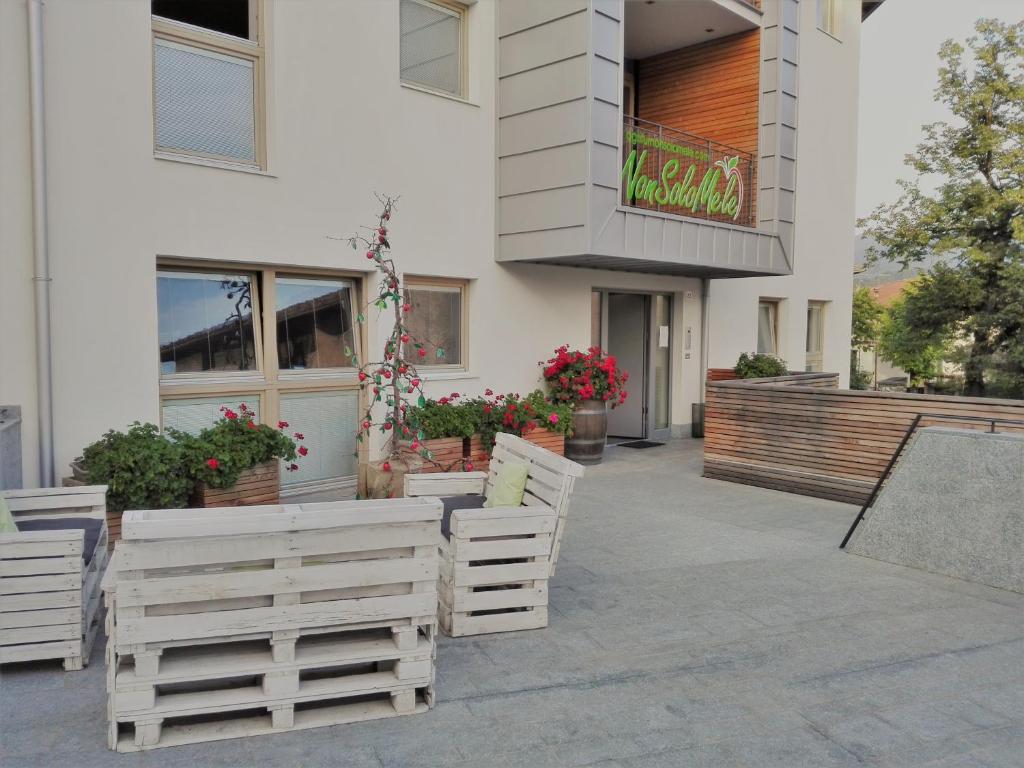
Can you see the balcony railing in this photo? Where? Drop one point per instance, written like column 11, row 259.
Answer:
column 675, row 172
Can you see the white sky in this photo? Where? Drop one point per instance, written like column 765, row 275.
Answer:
column 899, row 62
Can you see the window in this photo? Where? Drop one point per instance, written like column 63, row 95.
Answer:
column 208, row 80
column 768, row 327
column 432, row 45
column 436, row 322
column 281, row 343
column 205, row 322
column 828, row 16
column 815, row 334
column 314, row 324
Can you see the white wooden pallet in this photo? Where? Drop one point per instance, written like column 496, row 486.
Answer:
column 495, row 567
column 323, row 604
column 49, row 600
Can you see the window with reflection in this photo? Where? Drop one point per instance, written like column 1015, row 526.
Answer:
column 205, row 323
column 314, row 323
column 435, row 322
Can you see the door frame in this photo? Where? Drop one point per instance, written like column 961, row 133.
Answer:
column 647, row 391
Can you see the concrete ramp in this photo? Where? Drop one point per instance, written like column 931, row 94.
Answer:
column 954, row 505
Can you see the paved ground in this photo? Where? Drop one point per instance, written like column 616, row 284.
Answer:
column 694, row 623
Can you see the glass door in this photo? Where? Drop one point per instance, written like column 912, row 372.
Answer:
column 660, row 416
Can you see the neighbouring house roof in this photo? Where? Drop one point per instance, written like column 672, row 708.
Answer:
column 867, row 7
column 886, row 293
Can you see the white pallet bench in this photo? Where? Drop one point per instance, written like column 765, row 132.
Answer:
column 49, row 597
column 496, row 565
column 228, row 623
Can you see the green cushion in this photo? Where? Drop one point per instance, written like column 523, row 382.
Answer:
column 6, row 518
column 509, row 485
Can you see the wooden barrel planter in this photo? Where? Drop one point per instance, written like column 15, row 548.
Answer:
column 257, row 485
column 590, row 432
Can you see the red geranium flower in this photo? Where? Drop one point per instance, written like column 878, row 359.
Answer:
column 229, row 414
column 303, row 450
column 282, row 425
column 212, row 463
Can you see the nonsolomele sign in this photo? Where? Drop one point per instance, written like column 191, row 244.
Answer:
column 672, row 189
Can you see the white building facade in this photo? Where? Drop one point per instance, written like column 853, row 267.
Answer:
column 194, row 169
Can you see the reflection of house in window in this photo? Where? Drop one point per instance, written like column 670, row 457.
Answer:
column 314, row 324
column 205, row 322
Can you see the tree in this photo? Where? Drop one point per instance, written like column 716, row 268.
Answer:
column 867, row 316
column 974, row 212
column 901, row 344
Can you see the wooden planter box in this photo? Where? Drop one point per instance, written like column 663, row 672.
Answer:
column 552, row 441
column 446, row 453
column 258, row 485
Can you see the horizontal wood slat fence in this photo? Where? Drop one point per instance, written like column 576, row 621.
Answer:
column 802, row 434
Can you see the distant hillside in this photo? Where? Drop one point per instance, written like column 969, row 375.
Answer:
column 884, row 271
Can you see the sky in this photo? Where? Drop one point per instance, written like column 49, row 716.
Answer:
column 899, row 61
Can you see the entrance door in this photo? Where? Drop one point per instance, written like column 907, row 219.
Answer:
column 628, row 324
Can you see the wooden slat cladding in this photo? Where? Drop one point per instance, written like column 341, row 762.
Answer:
column 800, row 434
column 711, row 90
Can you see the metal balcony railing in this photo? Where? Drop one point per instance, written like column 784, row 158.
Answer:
column 674, row 172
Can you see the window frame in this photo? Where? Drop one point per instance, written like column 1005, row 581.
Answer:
column 462, row 12
column 775, row 306
column 268, row 382
column 414, row 282
column 252, row 49
column 827, row 17
column 812, row 358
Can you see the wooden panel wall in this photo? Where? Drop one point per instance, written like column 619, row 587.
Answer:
column 711, row 90
column 800, row 434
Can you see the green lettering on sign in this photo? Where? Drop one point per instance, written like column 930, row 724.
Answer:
column 673, row 188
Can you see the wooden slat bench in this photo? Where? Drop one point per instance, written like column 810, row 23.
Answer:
column 496, row 565
column 232, row 622
column 49, row 586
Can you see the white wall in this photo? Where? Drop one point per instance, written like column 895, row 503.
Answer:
column 17, row 318
column 825, row 187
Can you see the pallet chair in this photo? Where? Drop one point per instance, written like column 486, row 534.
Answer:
column 496, row 562
column 50, row 572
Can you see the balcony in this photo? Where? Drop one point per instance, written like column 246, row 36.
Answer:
column 673, row 172
column 655, row 138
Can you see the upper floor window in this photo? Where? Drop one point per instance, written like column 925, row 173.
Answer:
column 828, row 17
column 432, row 45
column 436, row 322
column 208, row 80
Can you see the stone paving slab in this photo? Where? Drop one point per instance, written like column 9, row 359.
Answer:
column 693, row 623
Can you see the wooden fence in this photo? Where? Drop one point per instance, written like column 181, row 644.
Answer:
column 802, row 434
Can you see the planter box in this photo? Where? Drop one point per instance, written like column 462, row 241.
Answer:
column 258, row 485
column 552, row 441
column 447, row 454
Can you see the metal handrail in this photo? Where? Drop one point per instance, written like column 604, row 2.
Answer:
column 991, row 420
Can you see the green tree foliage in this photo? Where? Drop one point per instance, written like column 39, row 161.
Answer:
column 867, row 316
column 901, row 343
column 976, row 166
column 759, row 366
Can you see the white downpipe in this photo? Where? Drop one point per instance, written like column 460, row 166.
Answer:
column 40, row 246
column 705, row 332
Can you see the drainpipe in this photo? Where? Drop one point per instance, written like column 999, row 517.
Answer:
column 41, row 255
column 705, row 333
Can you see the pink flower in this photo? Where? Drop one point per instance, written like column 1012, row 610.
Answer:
column 293, row 468
column 229, row 414
column 553, row 418
column 386, row 466
column 303, row 450
column 421, row 352
column 212, row 463
column 299, row 436
column 282, row 425
column 469, row 466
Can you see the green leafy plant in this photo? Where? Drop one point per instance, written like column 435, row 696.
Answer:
column 759, row 366
column 219, row 454
column 141, row 468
